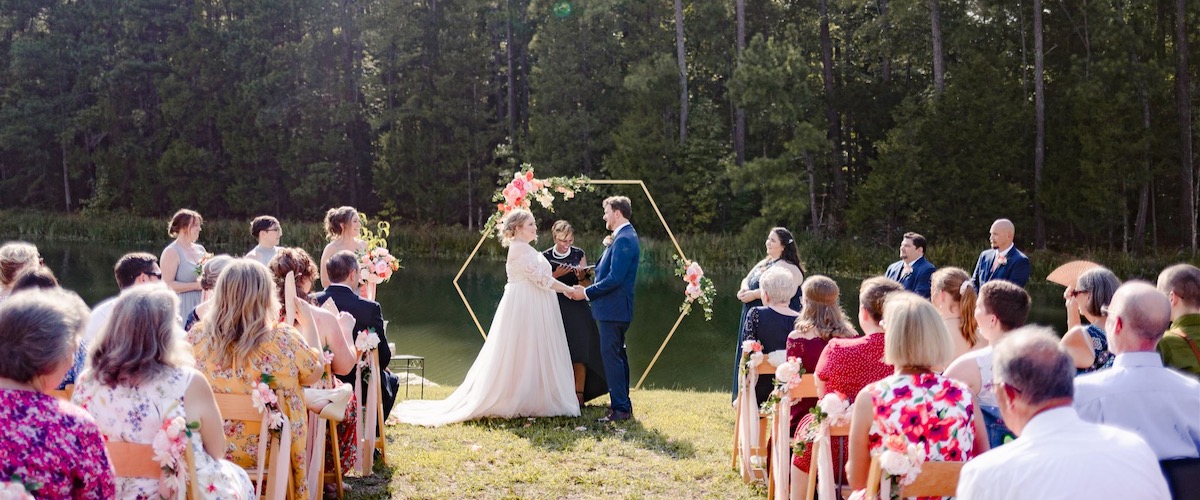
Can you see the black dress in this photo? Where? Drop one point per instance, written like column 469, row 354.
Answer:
column 583, row 337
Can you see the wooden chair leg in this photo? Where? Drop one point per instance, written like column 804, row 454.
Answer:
column 337, row 458
column 381, row 444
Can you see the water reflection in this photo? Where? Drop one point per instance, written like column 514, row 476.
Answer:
column 427, row 317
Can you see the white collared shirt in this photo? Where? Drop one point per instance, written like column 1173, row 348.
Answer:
column 1004, row 253
column 98, row 319
column 1060, row 456
column 619, row 228
column 1139, row 395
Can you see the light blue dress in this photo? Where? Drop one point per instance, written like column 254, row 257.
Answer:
column 186, row 273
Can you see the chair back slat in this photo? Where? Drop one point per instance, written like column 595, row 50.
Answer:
column 237, row 407
column 807, row 388
column 936, row 479
column 133, row 460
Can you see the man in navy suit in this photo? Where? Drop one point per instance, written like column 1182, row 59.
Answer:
column 343, row 272
column 1003, row 261
column 612, row 302
column 913, row 270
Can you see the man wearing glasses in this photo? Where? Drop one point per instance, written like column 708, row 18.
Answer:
column 267, row 231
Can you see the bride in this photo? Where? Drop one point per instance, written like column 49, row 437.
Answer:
column 524, row 368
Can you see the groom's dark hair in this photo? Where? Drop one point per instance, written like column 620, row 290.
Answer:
column 341, row 265
column 620, row 204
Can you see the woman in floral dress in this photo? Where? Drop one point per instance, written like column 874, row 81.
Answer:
column 915, row 404
column 141, row 378
column 240, row 341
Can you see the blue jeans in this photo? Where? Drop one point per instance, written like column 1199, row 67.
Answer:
column 616, row 363
column 998, row 432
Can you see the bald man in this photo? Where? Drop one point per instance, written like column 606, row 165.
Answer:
column 1138, row 394
column 1003, row 261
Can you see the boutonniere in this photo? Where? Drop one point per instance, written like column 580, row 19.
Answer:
column 1002, row 259
column 608, row 240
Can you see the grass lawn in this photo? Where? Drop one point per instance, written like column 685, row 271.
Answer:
column 678, row 447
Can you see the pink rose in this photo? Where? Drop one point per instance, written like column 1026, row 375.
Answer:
column 693, row 291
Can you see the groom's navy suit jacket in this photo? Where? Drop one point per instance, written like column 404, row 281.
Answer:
column 611, row 294
column 1016, row 269
column 919, row 280
column 367, row 314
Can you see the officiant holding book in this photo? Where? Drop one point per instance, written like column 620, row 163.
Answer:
column 583, row 337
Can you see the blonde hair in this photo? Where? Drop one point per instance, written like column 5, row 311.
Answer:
column 511, row 223
column 243, row 312
column 562, row 227
column 142, row 338
column 778, row 285
column 183, row 219
column 821, row 310
column 957, row 283
column 212, row 270
column 336, row 220
column 915, row 335
column 14, row 258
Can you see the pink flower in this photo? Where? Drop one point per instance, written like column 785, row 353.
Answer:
column 693, row 269
column 751, row 346
column 512, row 194
column 326, row 357
column 693, row 292
column 529, row 175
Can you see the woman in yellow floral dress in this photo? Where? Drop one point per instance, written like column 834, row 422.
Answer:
column 238, row 341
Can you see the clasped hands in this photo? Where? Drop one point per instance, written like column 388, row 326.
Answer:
column 575, row 293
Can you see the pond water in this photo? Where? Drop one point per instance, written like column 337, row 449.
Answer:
column 427, row 318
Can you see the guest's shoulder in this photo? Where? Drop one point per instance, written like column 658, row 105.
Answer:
column 986, row 252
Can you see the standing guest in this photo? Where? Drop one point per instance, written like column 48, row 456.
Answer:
column 1138, row 394
column 209, row 272
column 583, row 337
column 913, row 270
column 1003, row 261
column 781, row 252
column 267, row 232
column 46, row 441
column 1002, row 307
column 239, row 341
column 1058, row 455
column 342, row 227
column 141, row 378
column 1088, row 345
column 915, row 405
column 846, row 366
column 14, row 258
column 1180, row 346
column 954, row 298
column 770, row 325
column 181, row 260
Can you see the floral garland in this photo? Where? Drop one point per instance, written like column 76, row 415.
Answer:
column 170, row 447
column 901, row 462
column 326, row 360
column 367, row 341
column 787, row 377
column 525, row 188
column 751, row 355
column 16, row 488
column 376, row 264
column 833, row 409
column 700, row 288
column 264, row 400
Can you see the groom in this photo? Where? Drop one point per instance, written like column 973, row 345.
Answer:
column 612, row 302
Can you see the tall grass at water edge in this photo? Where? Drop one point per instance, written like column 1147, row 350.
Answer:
column 848, row 257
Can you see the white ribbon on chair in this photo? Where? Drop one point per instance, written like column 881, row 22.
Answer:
column 826, row 486
column 359, row 423
column 372, row 412
column 748, row 407
column 280, row 459
column 316, row 454
column 781, row 451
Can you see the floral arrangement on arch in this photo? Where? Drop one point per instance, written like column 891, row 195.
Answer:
column 376, row 264
column 525, row 188
column 700, row 288
column 170, row 449
column 265, row 400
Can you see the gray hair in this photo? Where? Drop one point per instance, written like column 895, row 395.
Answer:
column 1031, row 360
column 778, row 284
column 39, row 330
column 1101, row 284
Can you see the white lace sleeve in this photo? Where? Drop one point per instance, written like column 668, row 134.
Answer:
column 535, row 269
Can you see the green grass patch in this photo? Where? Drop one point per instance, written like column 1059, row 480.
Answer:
column 678, row 447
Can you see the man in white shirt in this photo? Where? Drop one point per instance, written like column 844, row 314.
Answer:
column 1138, row 394
column 131, row 269
column 267, row 231
column 1056, row 454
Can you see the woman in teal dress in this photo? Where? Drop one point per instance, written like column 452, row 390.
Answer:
column 781, row 252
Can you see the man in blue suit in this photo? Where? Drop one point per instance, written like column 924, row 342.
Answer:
column 611, row 296
column 913, row 270
column 1003, row 261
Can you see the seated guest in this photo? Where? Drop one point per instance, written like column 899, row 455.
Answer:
column 949, row 428
column 1180, row 346
column 954, row 298
column 39, row 278
column 209, row 273
column 46, row 441
column 141, row 377
column 913, row 270
column 14, row 258
column 771, row 323
column 1058, row 455
column 1002, row 307
column 239, row 340
column 845, row 367
column 1138, row 394
column 267, row 232
column 1088, row 345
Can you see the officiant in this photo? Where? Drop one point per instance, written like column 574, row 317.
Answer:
column 583, row 337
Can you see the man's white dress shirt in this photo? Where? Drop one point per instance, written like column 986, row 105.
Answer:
column 1059, row 456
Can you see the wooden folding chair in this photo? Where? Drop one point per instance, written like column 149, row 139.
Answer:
column 779, row 471
column 133, row 460
column 64, row 393
column 749, row 431
column 834, row 431
column 276, row 457
column 937, row 479
column 370, row 417
column 316, row 445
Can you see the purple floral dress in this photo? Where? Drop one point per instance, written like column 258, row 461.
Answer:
column 54, row 443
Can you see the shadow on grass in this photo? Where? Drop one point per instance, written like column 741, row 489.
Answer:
column 563, row 433
column 376, row 485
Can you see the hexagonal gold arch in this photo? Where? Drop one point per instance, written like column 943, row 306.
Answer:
column 662, row 220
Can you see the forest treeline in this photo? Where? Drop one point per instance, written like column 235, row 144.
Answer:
column 854, row 118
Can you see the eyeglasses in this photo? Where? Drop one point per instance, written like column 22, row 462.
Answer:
column 154, row 275
column 994, row 386
column 1075, row 293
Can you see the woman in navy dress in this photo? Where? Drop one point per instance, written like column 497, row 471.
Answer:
column 781, row 253
column 583, row 337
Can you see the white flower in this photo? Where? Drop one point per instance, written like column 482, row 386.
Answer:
column 276, row 422
column 757, row 462
column 176, row 427
column 756, row 358
column 13, row 491
column 777, row 358
column 544, row 197
column 786, row 371
column 835, row 406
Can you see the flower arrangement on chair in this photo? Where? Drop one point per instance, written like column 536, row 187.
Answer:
column 265, row 401
column 700, row 288
column 900, row 462
column 787, row 377
column 525, row 188
column 170, row 449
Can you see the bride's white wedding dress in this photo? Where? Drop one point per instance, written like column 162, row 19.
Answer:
column 524, row 368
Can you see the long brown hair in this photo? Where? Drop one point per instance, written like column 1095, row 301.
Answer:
column 294, row 260
column 243, row 312
column 822, row 312
column 957, row 283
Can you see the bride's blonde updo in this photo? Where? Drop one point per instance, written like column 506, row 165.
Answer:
column 513, row 221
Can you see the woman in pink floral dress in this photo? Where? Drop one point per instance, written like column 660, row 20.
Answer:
column 46, row 443
column 915, row 404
